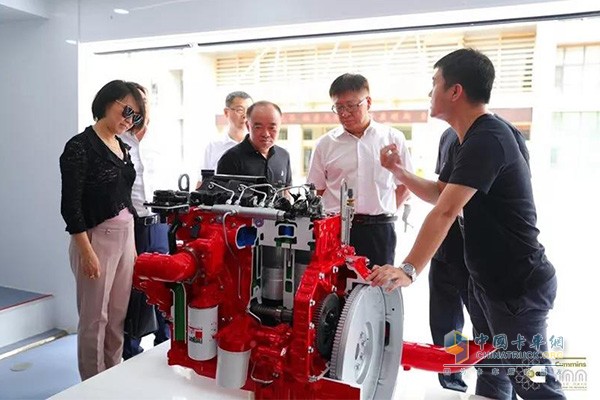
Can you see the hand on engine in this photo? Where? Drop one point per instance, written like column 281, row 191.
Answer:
column 388, row 277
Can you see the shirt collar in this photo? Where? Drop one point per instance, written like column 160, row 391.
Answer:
column 340, row 130
column 228, row 139
column 246, row 145
column 130, row 140
column 248, row 148
column 475, row 123
column 102, row 150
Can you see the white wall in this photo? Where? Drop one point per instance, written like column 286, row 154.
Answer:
column 38, row 110
column 38, row 101
column 24, row 9
column 100, row 23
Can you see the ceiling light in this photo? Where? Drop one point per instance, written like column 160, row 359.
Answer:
column 121, row 11
column 71, row 41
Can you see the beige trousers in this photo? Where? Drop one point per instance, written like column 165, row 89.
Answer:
column 102, row 302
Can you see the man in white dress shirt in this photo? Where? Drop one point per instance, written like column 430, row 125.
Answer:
column 150, row 233
column 351, row 152
column 236, row 104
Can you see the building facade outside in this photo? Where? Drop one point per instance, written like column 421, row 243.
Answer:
column 548, row 76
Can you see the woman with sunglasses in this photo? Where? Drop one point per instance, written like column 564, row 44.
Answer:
column 97, row 176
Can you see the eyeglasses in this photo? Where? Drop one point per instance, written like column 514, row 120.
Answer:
column 238, row 110
column 129, row 113
column 349, row 108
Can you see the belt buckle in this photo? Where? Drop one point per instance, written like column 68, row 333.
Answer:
column 360, row 219
column 150, row 220
column 390, row 218
column 367, row 219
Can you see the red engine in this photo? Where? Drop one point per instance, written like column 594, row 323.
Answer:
column 267, row 295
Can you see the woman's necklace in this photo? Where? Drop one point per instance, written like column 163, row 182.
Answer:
column 110, row 141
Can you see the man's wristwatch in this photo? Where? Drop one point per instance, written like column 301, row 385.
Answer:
column 409, row 270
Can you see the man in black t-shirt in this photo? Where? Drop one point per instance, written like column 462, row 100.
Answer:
column 512, row 284
column 448, row 276
column 257, row 154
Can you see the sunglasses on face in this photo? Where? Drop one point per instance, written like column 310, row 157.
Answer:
column 129, row 113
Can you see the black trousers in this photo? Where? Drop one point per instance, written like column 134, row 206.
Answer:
column 523, row 321
column 448, row 292
column 377, row 242
column 149, row 238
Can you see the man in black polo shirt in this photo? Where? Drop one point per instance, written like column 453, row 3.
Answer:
column 257, row 154
column 512, row 284
column 448, row 276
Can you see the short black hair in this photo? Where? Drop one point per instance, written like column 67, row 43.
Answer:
column 348, row 83
column 140, row 88
column 471, row 69
column 117, row 90
column 261, row 104
column 234, row 95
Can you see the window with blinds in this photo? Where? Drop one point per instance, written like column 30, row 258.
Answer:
column 406, row 59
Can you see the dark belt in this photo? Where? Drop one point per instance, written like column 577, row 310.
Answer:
column 365, row 219
column 148, row 220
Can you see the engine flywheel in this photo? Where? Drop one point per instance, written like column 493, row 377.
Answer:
column 326, row 320
column 368, row 341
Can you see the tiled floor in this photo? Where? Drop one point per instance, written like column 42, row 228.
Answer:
column 43, row 371
column 40, row 372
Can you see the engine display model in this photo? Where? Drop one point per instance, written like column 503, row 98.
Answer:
column 265, row 294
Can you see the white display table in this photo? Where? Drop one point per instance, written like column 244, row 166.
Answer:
column 147, row 376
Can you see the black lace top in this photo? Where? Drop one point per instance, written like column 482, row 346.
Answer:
column 96, row 184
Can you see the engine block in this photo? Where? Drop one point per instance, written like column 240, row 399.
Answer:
column 257, row 289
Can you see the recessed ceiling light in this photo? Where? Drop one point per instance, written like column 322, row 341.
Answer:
column 71, row 41
column 121, row 11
